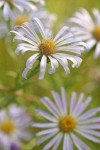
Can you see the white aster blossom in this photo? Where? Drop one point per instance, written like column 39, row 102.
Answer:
column 13, row 126
column 27, row 16
column 67, row 121
column 19, row 4
column 46, row 48
column 87, row 29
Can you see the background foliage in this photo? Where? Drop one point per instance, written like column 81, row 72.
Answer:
column 14, row 89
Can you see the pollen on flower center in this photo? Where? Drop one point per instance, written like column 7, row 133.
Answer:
column 96, row 33
column 47, row 47
column 67, row 124
column 7, row 127
column 21, row 19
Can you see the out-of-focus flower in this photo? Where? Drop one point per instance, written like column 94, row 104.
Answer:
column 47, row 49
column 27, row 16
column 19, row 4
column 66, row 121
column 13, row 127
column 87, row 29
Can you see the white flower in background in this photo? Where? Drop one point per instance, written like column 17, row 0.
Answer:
column 13, row 126
column 27, row 16
column 19, row 4
column 66, row 120
column 87, row 29
column 47, row 49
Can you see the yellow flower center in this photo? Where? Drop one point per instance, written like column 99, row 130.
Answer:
column 96, row 33
column 7, row 127
column 67, row 124
column 21, row 19
column 47, row 47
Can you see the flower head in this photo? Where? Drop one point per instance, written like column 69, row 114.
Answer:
column 27, row 16
column 13, row 126
column 45, row 47
column 66, row 120
column 87, row 29
column 19, row 4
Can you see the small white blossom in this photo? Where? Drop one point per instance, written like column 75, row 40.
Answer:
column 13, row 126
column 19, row 4
column 87, row 29
column 27, row 16
column 67, row 121
column 45, row 47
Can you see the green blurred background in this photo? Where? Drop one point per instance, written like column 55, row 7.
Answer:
column 14, row 89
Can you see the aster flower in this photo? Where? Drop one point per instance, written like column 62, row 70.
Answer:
column 87, row 29
column 47, row 49
column 13, row 127
column 27, row 16
column 19, row 4
column 66, row 120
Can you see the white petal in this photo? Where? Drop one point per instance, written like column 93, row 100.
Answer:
column 50, row 106
column 32, row 60
column 58, row 102
column 73, row 102
column 40, row 27
column 48, row 136
column 24, row 74
column 88, row 136
column 79, row 144
column 78, row 105
column 97, row 51
column 63, row 62
column 90, row 43
column 46, row 115
column 64, row 100
column 60, row 33
column 89, row 114
column 83, row 106
column 67, row 143
column 1, row 3
column 43, row 64
column 47, row 131
column 44, row 125
column 54, row 65
column 57, row 142
column 53, row 141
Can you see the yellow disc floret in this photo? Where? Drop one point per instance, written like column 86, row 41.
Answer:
column 67, row 124
column 96, row 33
column 47, row 47
column 21, row 19
column 7, row 127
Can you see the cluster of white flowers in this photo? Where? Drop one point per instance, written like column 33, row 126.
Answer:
column 67, row 120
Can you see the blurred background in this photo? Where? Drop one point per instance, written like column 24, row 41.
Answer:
column 27, row 93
